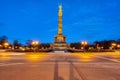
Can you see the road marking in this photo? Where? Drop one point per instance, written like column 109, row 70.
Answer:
column 52, row 63
column 113, row 60
column 65, row 63
column 7, row 64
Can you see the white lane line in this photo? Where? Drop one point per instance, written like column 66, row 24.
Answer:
column 50, row 63
column 67, row 63
column 113, row 60
column 7, row 64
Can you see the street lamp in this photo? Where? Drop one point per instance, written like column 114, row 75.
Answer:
column 113, row 45
column 6, row 44
column 84, row 43
column 118, row 45
column 35, row 44
column 0, row 46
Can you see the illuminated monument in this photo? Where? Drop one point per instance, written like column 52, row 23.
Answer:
column 60, row 39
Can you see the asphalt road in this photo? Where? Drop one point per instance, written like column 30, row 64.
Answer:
column 60, row 66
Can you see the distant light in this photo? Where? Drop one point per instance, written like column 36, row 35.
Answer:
column 0, row 45
column 84, row 42
column 114, row 44
column 6, row 44
column 35, row 43
column 10, row 47
column 118, row 45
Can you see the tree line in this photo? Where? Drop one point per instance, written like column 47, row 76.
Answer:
column 104, row 44
column 16, row 44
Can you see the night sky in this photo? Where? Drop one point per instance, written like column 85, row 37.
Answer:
column 88, row 20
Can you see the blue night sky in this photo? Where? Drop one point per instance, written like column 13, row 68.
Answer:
column 89, row 20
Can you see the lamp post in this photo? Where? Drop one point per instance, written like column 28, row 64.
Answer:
column 118, row 46
column 113, row 45
column 6, row 44
column 35, row 45
column 1, row 46
column 84, row 43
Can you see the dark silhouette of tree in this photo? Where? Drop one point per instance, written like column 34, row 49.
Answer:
column 28, row 43
column 16, row 44
column 118, row 40
column 105, row 43
column 3, row 39
column 44, row 45
column 76, row 45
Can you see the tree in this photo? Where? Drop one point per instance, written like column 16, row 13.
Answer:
column 44, row 45
column 118, row 40
column 3, row 39
column 105, row 43
column 28, row 42
column 16, row 44
column 76, row 45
